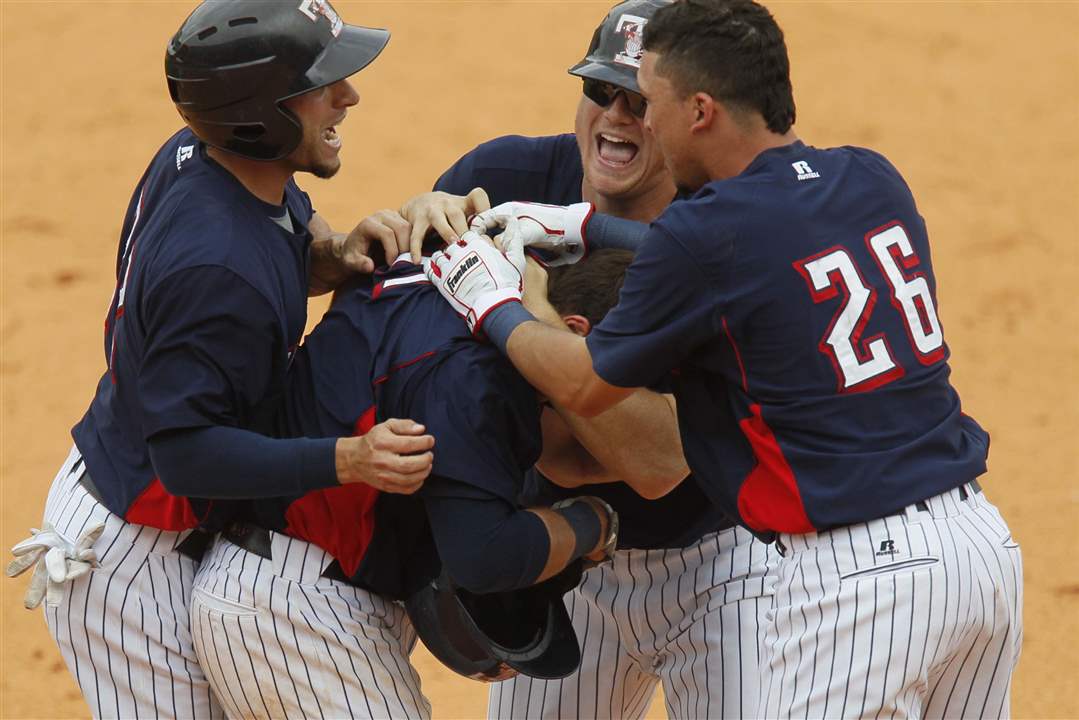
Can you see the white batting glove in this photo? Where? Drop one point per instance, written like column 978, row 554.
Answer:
column 475, row 277
column 557, row 230
column 56, row 560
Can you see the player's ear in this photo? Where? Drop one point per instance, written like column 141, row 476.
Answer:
column 703, row 109
column 578, row 324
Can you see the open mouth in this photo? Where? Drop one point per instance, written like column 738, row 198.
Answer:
column 615, row 151
column 330, row 137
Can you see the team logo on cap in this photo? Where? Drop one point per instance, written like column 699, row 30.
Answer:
column 631, row 28
column 314, row 8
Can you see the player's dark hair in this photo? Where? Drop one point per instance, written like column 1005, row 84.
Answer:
column 590, row 287
column 731, row 49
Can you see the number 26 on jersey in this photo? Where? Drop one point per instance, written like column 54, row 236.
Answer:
column 868, row 363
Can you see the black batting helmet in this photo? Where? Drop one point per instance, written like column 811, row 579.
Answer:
column 615, row 52
column 494, row 636
column 232, row 63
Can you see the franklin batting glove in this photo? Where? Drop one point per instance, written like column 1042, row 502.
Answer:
column 557, row 231
column 475, row 277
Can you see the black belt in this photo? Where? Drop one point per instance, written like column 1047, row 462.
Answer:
column 87, row 482
column 193, row 546
column 923, row 506
column 257, row 540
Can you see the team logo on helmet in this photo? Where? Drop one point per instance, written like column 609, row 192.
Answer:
column 631, row 28
column 314, row 8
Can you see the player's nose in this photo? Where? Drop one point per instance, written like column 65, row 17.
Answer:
column 345, row 94
column 618, row 110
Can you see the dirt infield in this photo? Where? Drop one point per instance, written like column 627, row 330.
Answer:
column 976, row 103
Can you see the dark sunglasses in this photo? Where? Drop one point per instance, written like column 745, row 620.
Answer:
column 604, row 93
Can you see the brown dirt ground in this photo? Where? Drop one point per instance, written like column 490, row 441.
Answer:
column 975, row 102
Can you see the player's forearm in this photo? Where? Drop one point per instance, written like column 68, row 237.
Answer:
column 574, row 532
column 562, row 542
column 230, row 463
column 606, row 232
column 487, row 545
column 564, row 460
column 556, row 362
column 637, row 441
column 321, row 255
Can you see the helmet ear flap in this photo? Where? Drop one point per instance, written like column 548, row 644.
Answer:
column 287, row 128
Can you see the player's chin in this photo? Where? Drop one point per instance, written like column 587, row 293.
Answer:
column 325, row 169
column 613, row 182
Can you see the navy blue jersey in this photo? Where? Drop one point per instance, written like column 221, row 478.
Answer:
column 394, row 348
column 795, row 305
column 548, row 170
column 211, row 298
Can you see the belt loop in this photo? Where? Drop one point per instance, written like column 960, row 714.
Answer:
column 297, row 559
column 89, row 486
column 914, row 511
column 974, row 493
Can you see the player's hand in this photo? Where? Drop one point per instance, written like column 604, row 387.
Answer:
column 335, row 257
column 394, row 456
column 381, row 237
column 475, row 277
column 55, row 559
column 444, row 213
column 558, row 231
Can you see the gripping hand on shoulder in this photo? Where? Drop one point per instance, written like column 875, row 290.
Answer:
column 394, row 456
column 336, row 257
column 556, row 230
column 475, row 277
column 443, row 213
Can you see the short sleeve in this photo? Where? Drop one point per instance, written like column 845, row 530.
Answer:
column 536, row 169
column 210, row 351
column 459, row 178
column 666, row 309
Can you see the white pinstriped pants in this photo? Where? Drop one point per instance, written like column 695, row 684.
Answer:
column 278, row 640
column 909, row 616
column 123, row 627
column 690, row 617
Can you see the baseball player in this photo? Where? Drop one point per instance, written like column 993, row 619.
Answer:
column 213, row 271
column 293, row 612
column 683, row 602
column 793, row 295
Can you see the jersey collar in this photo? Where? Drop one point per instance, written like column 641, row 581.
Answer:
column 777, row 152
